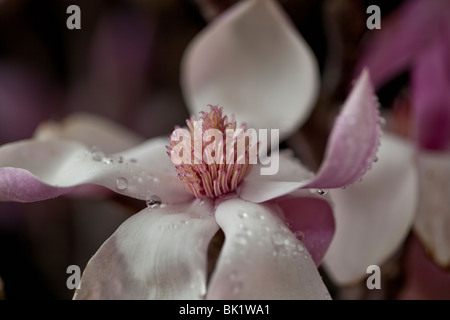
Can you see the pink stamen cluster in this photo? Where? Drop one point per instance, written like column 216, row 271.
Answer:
column 216, row 179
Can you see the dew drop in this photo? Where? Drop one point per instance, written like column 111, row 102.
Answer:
column 300, row 235
column 108, row 160
column 237, row 288
column 153, row 201
column 119, row 159
column 241, row 239
column 121, row 183
column 278, row 239
column 322, row 192
column 300, row 247
column 98, row 155
column 243, row 215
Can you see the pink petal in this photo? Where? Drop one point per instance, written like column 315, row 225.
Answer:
column 350, row 152
column 252, row 61
column 403, row 35
column 311, row 219
column 353, row 141
column 424, row 279
column 430, row 83
column 374, row 216
column 38, row 170
column 261, row 258
column 91, row 130
column 155, row 254
column 433, row 214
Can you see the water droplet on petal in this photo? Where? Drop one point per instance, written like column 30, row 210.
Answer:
column 278, row 239
column 240, row 239
column 300, row 247
column 153, row 201
column 121, row 183
column 243, row 215
column 237, row 288
column 322, row 192
column 108, row 160
column 97, row 156
column 300, row 235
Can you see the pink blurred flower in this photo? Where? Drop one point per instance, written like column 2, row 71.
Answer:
column 416, row 37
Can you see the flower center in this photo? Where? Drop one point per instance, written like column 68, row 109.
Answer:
column 217, row 155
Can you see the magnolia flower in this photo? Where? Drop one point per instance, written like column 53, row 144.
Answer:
column 409, row 186
column 252, row 62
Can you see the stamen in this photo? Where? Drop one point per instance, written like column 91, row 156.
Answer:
column 214, row 179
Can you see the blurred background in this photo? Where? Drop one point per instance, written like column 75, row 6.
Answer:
column 124, row 64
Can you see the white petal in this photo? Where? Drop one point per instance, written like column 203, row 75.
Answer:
column 374, row 216
column 261, row 258
column 291, row 175
column 155, row 254
column 432, row 223
column 37, row 170
column 91, row 130
column 252, row 62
